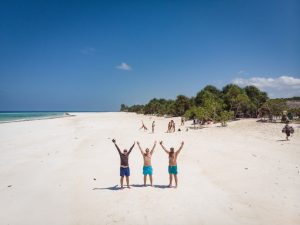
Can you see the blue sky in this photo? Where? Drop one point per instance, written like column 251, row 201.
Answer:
column 95, row 55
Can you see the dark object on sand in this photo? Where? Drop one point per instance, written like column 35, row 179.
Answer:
column 288, row 130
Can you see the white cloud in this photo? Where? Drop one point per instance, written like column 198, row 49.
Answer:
column 124, row 66
column 283, row 86
column 88, row 50
column 241, row 72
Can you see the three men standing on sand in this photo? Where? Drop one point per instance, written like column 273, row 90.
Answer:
column 147, row 168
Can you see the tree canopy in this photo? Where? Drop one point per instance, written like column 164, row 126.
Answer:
column 211, row 103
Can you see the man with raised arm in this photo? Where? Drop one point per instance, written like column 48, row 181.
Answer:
column 124, row 168
column 147, row 169
column 172, row 162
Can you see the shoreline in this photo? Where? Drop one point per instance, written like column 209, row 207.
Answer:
column 37, row 118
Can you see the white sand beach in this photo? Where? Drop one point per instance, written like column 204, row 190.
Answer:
column 66, row 171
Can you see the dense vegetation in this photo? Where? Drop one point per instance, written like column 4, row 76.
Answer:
column 217, row 105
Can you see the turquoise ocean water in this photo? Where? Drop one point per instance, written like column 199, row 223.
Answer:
column 19, row 116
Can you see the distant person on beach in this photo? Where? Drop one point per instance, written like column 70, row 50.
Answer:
column 194, row 123
column 124, row 168
column 182, row 121
column 288, row 130
column 169, row 127
column 143, row 126
column 173, row 126
column 153, row 126
column 147, row 168
column 172, row 169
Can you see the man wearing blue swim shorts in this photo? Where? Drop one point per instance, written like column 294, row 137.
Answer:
column 124, row 168
column 172, row 169
column 147, row 169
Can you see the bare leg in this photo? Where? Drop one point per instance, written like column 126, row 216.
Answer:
column 151, row 180
column 121, row 181
column 171, row 178
column 145, row 180
column 176, row 180
column 127, row 181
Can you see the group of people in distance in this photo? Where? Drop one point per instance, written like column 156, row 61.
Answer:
column 171, row 127
column 145, row 128
column 147, row 168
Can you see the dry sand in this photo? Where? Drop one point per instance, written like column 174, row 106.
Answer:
column 65, row 171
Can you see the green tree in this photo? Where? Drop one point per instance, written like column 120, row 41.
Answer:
column 225, row 116
column 152, row 107
column 207, row 89
column 274, row 107
column 123, row 108
column 136, row 108
column 257, row 99
column 191, row 113
column 212, row 89
column 236, row 98
column 195, row 112
column 212, row 103
column 182, row 104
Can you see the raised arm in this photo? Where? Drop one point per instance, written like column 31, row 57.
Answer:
column 114, row 141
column 180, row 148
column 138, row 143
column 163, row 147
column 152, row 150
column 131, row 148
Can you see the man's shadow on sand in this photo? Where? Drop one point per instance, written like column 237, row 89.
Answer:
column 113, row 188
column 117, row 188
column 155, row 186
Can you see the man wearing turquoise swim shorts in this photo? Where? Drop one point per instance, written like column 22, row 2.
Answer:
column 147, row 169
column 124, row 168
column 172, row 169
